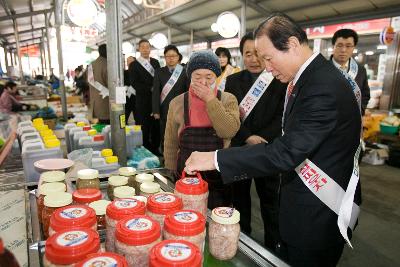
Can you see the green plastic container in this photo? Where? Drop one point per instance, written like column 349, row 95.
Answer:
column 392, row 130
column 99, row 127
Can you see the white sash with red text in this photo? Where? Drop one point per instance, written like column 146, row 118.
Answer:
column 228, row 71
column 171, row 82
column 146, row 64
column 254, row 94
column 103, row 91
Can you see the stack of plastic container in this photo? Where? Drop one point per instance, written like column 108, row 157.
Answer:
column 93, row 140
column 107, row 163
column 77, row 135
column 134, row 138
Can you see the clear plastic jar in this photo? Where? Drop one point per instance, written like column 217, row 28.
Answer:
column 194, row 193
column 86, row 196
column 175, row 253
column 68, row 247
column 88, row 178
column 148, row 189
column 44, row 190
column 103, row 259
column 120, row 209
column 124, row 192
column 72, row 216
column 161, row 204
column 53, row 177
column 130, row 173
column 100, row 207
column 223, row 233
column 141, row 178
column 114, row 182
column 186, row 225
column 134, row 237
column 51, row 203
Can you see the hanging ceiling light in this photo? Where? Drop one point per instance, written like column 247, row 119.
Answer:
column 82, row 12
column 214, row 27
column 158, row 40
column 137, row 2
column 228, row 24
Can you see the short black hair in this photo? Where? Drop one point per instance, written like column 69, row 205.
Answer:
column 279, row 27
column 224, row 51
column 171, row 47
column 143, row 41
column 103, row 50
column 180, row 57
column 10, row 84
column 248, row 36
column 345, row 33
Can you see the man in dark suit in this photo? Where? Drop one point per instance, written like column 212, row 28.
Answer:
column 130, row 100
column 262, row 125
column 344, row 42
column 321, row 130
column 162, row 76
column 142, row 75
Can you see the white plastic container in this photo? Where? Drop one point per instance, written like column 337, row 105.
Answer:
column 75, row 139
column 67, row 127
column 29, row 136
column 95, row 142
column 103, row 167
column 106, row 132
column 24, row 130
column 24, row 123
column 71, row 136
column 33, row 152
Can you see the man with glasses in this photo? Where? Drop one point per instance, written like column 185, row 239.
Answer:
column 344, row 41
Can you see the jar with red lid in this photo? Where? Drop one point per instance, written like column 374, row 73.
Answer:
column 44, row 190
column 86, row 196
column 51, row 203
column 68, row 247
column 186, row 225
column 134, row 237
column 194, row 193
column 100, row 207
column 120, row 209
column 175, row 253
column 161, row 204
column 72, row 216
column 103, row 259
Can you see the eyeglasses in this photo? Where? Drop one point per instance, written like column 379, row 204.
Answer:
column 340, row 46
column 174, row 56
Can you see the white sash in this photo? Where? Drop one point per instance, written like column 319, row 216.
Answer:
column 350, row 77
column 228, row 71
column 104, row 92
column 171, row 82
column 254, row 94
column 146, row 64
column 130, row 91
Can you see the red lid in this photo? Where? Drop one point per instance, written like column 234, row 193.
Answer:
column 163, row 203
column 124, row 207
column 72, row 216
column 137, row 230
column 71, row 246
column 87, row 128
column 86, row 195
column 185, row 223
column 175, row 253
column 191, row 185
column 103, row 259
column 98, row 138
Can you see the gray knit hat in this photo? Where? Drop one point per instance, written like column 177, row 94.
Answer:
column 204, row 59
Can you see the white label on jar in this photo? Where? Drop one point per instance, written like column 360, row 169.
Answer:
column 101, row 262
column 224, row 212
column 72, row 238
column 191, row 181
column 176, row 251
column 73, row 213
column 139, row 224
column 164, row 198
column 125, row 203
column 186, row 216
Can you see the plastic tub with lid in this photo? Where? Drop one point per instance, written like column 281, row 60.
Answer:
column 33, row 152
column 186, row 225
column 161, row 204
column 194, row 193
column 114, row 182
column 124, row 192
column 43, row 191
column 175, row 253
column 88, row 178
column 52, row 202
column 86, row 196
column 120, row 209
column 100, row 207
column 68, row 247
column 103, row 259
column 72, row 216
column 134, row 237
column 148, row 189
column 141, row 178
column 130, row 173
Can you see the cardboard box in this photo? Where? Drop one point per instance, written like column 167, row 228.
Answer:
column 375, row 156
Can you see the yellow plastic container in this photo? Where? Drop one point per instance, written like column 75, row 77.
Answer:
column 107, row 152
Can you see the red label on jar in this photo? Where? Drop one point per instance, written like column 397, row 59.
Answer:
column 139, row 224
column 101, row 262
column 176, row 251
column 186, row 217
column 72, row 238
column 73, row 213
column 164, row 198
column 224, row 212
column 191, row 181
column 125, row 203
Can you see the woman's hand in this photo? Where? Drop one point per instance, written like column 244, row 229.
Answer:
column 202, row 91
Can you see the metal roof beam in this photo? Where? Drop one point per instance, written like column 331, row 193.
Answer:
column 257, row 7
column 26, row 14
column 26, row 40
column 22, row 32
column 182, row 29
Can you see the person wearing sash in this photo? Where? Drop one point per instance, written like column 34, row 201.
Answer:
column 99, row 105
column 317, row 152
column 263, row 124
column 224, row 57
column 201, row 119
column 169, row 82
column 142, row 76
column 344, row 42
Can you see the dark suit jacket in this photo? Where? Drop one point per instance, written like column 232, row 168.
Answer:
column 142, row 81
column 322, row 123
column 266, row 117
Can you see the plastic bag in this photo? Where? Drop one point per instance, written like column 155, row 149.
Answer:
column 82, row 160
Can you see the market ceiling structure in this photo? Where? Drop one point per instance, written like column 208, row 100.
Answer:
column 182, row 17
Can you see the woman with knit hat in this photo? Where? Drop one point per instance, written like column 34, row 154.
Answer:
column 203, row 119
